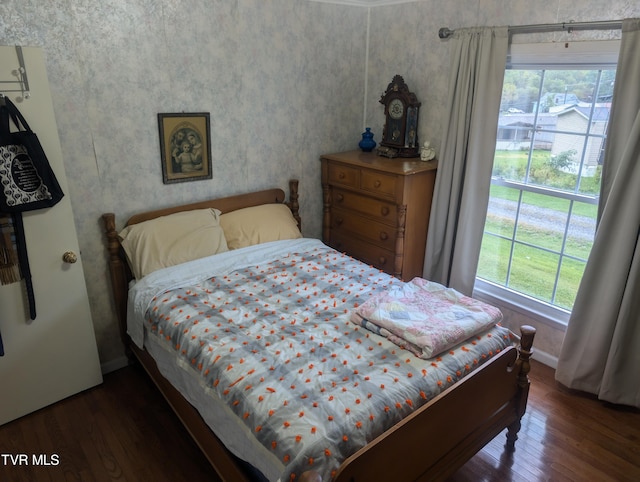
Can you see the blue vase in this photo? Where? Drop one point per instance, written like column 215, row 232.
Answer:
column 367, row 144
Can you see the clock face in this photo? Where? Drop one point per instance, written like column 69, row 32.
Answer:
column 396, row 109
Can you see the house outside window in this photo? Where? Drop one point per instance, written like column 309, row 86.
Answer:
column 545, row 183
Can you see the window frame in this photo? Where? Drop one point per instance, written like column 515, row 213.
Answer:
column 586, row 55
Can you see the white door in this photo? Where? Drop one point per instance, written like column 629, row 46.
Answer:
column 55, row 355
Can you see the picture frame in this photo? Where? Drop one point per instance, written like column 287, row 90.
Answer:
column 185, row 146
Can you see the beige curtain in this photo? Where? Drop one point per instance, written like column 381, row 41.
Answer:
column 601, row 349
column 461, row 193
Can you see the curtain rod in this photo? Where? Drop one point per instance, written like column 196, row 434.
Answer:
column 445, row 32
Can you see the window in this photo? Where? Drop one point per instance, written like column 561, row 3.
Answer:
column 545, row 182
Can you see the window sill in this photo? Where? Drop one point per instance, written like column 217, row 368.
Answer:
column 538, row 311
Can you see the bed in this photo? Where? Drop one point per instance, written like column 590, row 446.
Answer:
column 261, row 342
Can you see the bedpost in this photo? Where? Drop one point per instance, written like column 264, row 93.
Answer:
column 117, row 269
column 326, row 204
column 523, row 366
column 293, row 201
column 399, row 246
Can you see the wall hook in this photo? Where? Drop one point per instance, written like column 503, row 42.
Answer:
column 21, row 74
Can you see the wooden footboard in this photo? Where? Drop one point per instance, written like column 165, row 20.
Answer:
column 441, row 436
column 431, row 444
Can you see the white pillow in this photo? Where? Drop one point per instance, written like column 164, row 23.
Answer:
column 259, row 224
column 172, row 239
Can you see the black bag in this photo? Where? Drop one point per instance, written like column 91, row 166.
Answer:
column 27, row 181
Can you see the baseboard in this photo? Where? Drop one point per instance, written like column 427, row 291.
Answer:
column 114, row 365
column 545, row 358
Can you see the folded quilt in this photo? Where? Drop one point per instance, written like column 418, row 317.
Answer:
column 424, row 317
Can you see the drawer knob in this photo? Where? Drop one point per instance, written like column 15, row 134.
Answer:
column 383, row 236
column 341, row 175
column 339, row 221
column 384, row 211
column 382, row 260
column 340, row 198
column 377, row 184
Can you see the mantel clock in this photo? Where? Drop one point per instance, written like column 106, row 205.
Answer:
column 400, row 133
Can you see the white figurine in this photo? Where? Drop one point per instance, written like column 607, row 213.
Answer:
column 427, row 152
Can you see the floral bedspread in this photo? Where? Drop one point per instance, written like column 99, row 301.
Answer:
column 425, row 317
column 273, row 340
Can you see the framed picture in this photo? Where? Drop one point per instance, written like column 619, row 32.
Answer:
column 185, row 146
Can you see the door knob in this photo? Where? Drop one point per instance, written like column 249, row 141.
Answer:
column 70, row 257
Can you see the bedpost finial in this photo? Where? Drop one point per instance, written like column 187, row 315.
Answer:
column 293, row 203
column 526, row 339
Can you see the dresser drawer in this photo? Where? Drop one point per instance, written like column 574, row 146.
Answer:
column 344, row 175
column 383, row 211
column 372, row 255
column 380, row 234
column 378, row 183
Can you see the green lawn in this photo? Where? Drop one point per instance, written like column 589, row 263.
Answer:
column 532, row 273
column 533, row 270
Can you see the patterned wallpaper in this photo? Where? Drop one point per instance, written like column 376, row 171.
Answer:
column 284, row 81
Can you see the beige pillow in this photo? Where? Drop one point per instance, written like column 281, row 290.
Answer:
column 172, row 239
column 259, row 224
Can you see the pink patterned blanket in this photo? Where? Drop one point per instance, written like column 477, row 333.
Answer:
column 424, row 317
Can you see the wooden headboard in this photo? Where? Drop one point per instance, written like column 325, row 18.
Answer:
column 118, row 266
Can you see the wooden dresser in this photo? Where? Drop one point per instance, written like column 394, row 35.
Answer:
column 377, row 209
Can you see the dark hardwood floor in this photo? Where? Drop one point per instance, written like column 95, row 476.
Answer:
column 565, row 436
column 124, row 431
